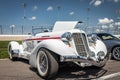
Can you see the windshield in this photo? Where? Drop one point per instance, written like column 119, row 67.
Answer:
column 40, row 30
column 107, row 36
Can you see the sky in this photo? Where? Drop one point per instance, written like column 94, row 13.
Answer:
column 47, row 12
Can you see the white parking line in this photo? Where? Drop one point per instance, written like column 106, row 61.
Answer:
column 108, row 76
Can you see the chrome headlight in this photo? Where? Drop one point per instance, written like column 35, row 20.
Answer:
column 16, row 51
column 101, row 54
column 66, row 36
column 92, row 54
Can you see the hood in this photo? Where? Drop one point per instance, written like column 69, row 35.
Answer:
column 65, row 25
column 112, row 43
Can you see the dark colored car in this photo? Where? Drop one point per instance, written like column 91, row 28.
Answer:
column 112, row 43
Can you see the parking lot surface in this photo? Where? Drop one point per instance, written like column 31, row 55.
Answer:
column 21, row 70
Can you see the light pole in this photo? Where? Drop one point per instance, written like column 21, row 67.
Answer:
column 88, row 18
column 58, row 7
column 1, row 29
column 24, row 6
column 24, row 15
column 116, row 30
column 12, row 27
column 22, row 30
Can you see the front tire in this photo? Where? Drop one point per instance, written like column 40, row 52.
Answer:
column 47, row 65
column 116, row 53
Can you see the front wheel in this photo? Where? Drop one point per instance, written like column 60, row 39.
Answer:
column 47, row 65
column 116, row 53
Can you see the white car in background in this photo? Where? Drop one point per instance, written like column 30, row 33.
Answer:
column 45, row 51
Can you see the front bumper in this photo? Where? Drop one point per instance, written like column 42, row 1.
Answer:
column 98, row 62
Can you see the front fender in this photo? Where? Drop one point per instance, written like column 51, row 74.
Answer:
column 98, row 47
column 56, row 46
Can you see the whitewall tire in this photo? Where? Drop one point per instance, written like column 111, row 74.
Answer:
column 47, row 65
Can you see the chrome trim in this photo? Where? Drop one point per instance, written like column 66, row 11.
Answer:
column 84, row 60
column 81, row 45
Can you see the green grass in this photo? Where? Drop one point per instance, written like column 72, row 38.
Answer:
column 3, row 49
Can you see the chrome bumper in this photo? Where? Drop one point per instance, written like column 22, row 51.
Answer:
column 85, row 60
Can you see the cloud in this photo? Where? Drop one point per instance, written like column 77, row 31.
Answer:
column 32, row 18
column 50, row 8
column 35, row 8
column 117, row 23
column 96, row 2
column 104, row 26
column 105, row 21
column 111, row 25
column 97, row 30
column 71, row 13
column 116, row 1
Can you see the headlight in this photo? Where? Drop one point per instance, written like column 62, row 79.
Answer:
column 92, row 54
column 101, row 54
column 16, row 51
column 66, row 36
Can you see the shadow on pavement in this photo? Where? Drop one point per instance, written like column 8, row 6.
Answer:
column 74, row 72
column 24, row 60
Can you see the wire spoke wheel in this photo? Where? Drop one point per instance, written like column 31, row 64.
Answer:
column 43, row 62
column 116, row 53
column 47, row 65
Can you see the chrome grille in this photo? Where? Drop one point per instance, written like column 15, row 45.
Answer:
column 81, row 44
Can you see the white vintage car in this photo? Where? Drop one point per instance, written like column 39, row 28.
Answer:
column 45, row 51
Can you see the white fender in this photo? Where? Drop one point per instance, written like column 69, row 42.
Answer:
column 14, row 45
column 56, row 46
column 100, row 46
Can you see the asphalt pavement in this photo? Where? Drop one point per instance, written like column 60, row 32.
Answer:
column 21, row 70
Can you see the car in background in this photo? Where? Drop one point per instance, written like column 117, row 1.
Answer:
column 112, row 43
